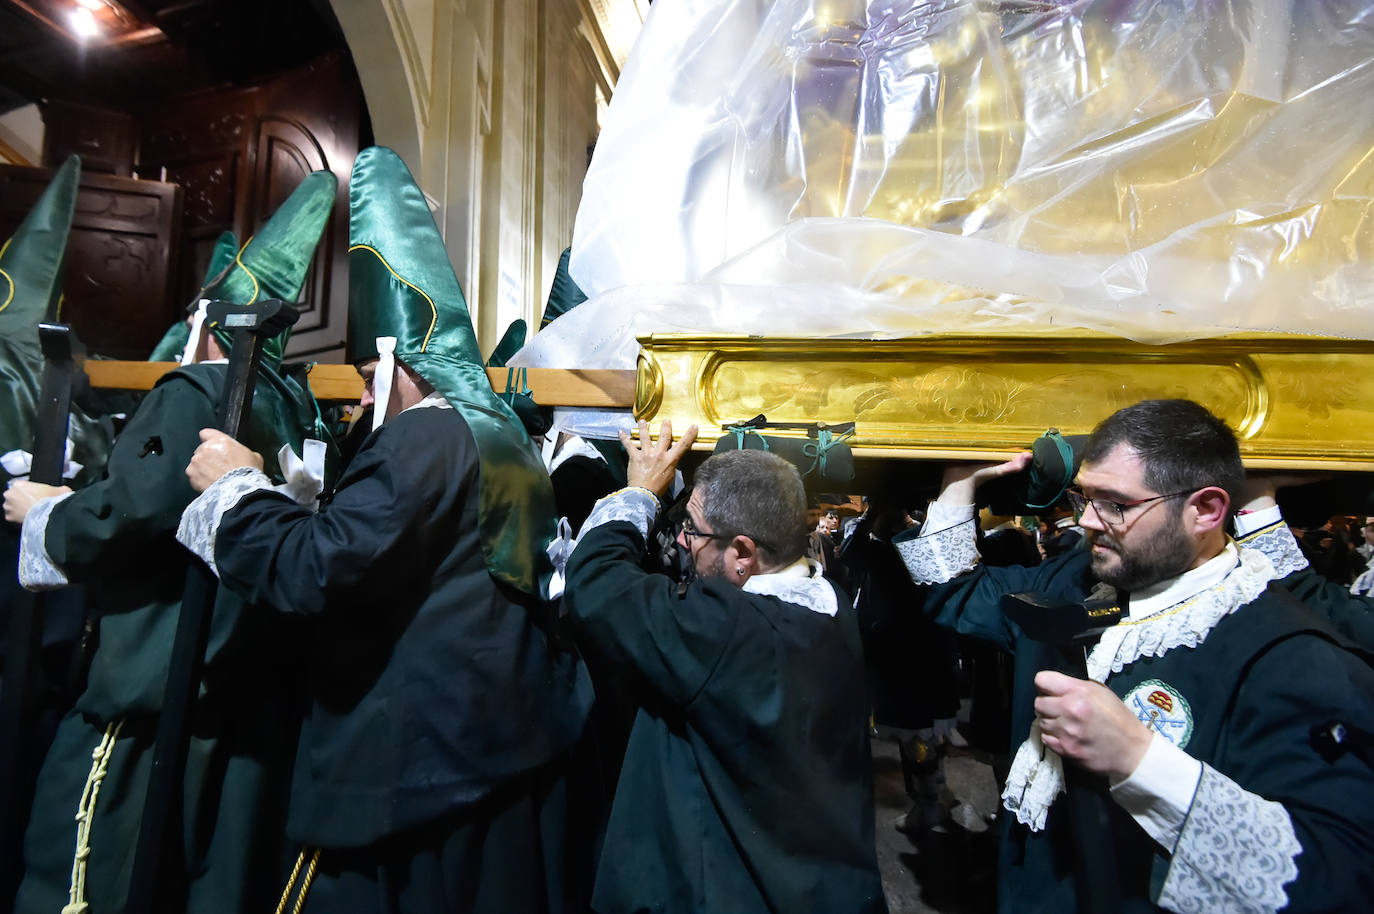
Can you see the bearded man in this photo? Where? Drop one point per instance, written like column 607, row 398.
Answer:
column 747, row 782
column 1201, row 703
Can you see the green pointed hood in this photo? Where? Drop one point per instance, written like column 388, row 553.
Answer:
column 273, row 263
column 173, row 342
column 401, row 285
column 564, row 294
column 31, row 268
column 31, row 261
column 510, row 344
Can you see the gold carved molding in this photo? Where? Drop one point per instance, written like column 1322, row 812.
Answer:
column 1296, row 402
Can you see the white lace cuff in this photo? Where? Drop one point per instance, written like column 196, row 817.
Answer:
column 949, row 550
column 1160, row 790
column 1035, row 779
column 200, row 521
column 1275, row 541
column 1236, row 852
column 37, row 570
column 633, row 504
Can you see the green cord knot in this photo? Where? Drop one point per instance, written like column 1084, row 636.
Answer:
column 514, row 377
column 744, row 431
column 820, row 447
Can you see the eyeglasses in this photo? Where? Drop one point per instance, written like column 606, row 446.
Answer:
column 690, row 530
column 1112, row 512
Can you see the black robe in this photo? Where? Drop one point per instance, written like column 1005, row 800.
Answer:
column 117, row 536
column 747, row 782
column 432, row 688
column 1262, row 678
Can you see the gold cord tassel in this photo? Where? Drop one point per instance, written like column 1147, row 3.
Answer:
column 85, row 811
column 305, row 883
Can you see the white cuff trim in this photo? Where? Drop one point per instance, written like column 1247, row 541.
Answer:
column 200, row 521
column 947, row 551
column 1160, row 791
column 1236, row 852
column 633, row 504
column 1265, row 532
column 1248, row 523
column 37, row 570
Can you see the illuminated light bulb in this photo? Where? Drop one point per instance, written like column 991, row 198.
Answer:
column 84, row 24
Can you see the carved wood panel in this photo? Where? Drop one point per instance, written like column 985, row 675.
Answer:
column 103, row 138
column 240, row 153
column 120, row 255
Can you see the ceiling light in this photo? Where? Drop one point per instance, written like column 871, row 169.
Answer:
column 84, row 24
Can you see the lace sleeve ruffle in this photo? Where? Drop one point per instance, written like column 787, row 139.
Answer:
column 1277, row 544
column 636, row 505
column 1236, row 852
column 201, row 519
column 37, row 570
column 941, row 556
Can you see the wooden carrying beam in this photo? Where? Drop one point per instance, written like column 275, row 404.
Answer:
column 604, row 389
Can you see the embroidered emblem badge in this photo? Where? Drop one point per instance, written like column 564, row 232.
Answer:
column 1161, row 708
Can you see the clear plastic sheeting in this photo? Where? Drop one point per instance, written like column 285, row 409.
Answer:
column 1155, row 169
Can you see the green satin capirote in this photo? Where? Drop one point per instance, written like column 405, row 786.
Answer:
column 401, row 284
column 31, row 269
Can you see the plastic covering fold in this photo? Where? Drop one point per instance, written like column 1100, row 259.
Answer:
column 1159, row 170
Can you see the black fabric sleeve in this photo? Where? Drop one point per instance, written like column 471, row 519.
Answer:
column 636, row 617
column 102, row 528
column 373, row 537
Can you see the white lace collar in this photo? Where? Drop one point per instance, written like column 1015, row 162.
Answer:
column 434, row 399
column 801, row 583
column 1149, row 600
column 1187, row 621
column 1198, row 600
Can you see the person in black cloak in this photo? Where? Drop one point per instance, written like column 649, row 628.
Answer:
column 432, row 768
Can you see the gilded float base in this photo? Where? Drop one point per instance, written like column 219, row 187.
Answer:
column 1296, row 402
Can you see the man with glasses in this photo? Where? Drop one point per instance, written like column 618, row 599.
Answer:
column 747, row 782
column 1201, row 703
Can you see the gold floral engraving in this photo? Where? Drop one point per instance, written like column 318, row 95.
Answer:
column 1294, row 401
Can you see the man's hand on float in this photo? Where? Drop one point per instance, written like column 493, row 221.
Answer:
column 218, row 454
column 22, row 495
column 1260, row 487
column 1085, row 721
column 652, row 462
column 961, row 480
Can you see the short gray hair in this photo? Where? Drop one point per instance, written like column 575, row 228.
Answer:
column 759, row 495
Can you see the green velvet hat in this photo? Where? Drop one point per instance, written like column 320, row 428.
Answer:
column 273, row 263
column 402, row 286
column 31, row 268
